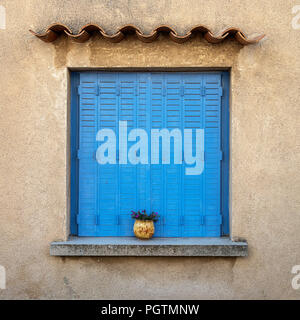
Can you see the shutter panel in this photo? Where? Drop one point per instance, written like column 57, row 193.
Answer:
column 127, row 180
column 107, row 197
column 143, row 122
column 188, row 205
column 157, row 192
column 87, row 202
column 172, row 172
column 192, row 199
column 212, row 172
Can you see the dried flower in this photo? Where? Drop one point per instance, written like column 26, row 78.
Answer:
column 144, row 216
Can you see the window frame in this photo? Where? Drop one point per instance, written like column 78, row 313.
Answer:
column 73, row 136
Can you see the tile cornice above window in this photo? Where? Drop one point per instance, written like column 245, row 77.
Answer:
column 163, row 247
column 57, row 29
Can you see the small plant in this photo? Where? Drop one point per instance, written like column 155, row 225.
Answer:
column 142, row 215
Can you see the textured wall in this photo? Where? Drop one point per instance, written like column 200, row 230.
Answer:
column 265, row 166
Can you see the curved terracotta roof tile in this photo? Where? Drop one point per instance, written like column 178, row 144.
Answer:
column 55, row 30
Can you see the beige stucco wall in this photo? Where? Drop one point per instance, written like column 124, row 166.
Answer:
column 265, row 184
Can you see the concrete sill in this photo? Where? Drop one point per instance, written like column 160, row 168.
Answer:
column 163, row 247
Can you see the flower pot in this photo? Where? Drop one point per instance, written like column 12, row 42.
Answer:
column 143, row 229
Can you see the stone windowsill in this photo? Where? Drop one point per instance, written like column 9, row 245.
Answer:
column 168, row 247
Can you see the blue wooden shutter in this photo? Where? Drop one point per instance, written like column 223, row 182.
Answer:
column 202, row 193
column 108, row 174
column 87, row 218
column 157, row 182
column 127, row 178
column 172, row 173
column 193, row 185
column 213, row 154
column 143, row 122
column 188, row 205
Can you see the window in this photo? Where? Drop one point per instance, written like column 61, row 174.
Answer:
column 149, row 140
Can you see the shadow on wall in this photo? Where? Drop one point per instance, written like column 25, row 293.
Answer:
column 100, row 52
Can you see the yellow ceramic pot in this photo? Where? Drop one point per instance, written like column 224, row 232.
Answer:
column 143, row 229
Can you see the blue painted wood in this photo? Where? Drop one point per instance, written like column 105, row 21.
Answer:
column 73, row 157
column 127, row 182
column 212, row 172
column 194, row 185
column 189, row 205
column 88, row 167
column 108, row 198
